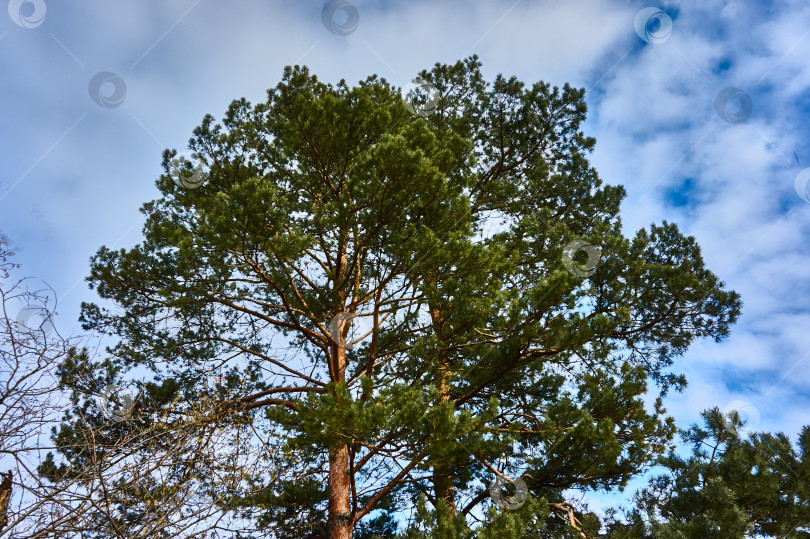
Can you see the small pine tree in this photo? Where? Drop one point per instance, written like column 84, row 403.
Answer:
column 732, row 485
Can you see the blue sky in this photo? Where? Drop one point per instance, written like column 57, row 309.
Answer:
column 74, row 172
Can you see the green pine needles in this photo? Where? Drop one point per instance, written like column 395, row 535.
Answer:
column 368, row 316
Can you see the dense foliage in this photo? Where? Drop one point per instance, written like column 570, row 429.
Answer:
column 416, row 316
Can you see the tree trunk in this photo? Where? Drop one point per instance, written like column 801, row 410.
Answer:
column 443, row 488
column 340, row 522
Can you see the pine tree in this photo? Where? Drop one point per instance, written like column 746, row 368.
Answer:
column 732, row 485
column 422, row 298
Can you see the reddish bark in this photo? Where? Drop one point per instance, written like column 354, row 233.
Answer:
column 340, row 523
